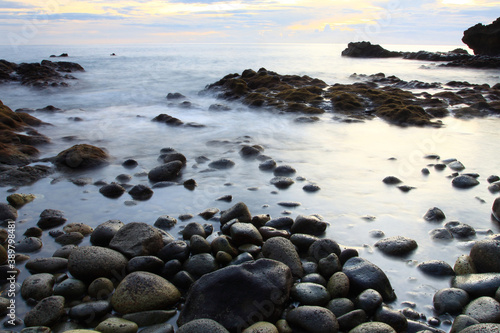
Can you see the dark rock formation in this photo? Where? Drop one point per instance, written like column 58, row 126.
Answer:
column 81, row 156
column 484, row 39
column 368, row 50
column 44, row 74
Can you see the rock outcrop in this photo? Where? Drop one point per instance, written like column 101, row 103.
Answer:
column 368, row 50
column 484, row 39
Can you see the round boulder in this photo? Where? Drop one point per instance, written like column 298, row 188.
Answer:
column 143, row 291
column 484, row 309
column 282, row 250
column 137, row 239
column 485, row 254
column 37, row 286
column 308, row 293
column 104, row 232
column 46, row 313
column 450, row 300
column 88, row 263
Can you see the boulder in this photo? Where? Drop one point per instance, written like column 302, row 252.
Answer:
column 484, row 309
column 7, row 212
column 364, row 275
column 46, row 313
column 484, row 39
column 88, row 263
column 143, row 291
column 450, row 300
column 104, row 232
column 477, row 285
column 485, row 254
column 82, row 156
column 368, row 50
column 37, row 286
column 137, row 239
column 238, row 296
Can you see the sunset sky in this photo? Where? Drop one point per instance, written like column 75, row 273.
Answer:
column 28, row 22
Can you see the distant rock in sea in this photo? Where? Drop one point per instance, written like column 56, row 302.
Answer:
column 484, row 39
column 368, row 50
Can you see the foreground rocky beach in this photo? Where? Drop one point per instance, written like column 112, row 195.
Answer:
column 234, row 270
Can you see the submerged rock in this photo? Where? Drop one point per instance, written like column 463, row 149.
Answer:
column 397, row 245
column 82, row 156
column 464, row 181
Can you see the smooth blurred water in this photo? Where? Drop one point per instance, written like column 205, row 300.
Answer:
column 118, row 96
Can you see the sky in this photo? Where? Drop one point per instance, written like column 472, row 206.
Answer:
column 65, row 22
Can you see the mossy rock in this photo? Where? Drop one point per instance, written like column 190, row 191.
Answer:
column 404, row 115
column 343, row 101
column 82, row 156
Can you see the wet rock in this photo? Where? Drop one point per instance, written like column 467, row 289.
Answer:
column 450, row 300
column 112, row 191
column 417, row 326
column 461, row 322
column 311, row 225
column 150, row 264
column 141, row 192
column 82, row 156
column 493, row 179
column 47, row 265
column 284, row 170
column 482, row 328
column 130, row 164
column 314, row 278
column 267, row 165
column 245, row 233
column 282, row 250
column 71, row 289
column 64, row 252
column 143, row 291
column 363, row 275
column 70, row 238
column 51, row 218
column 222, row 164
column 391, row 317
column 434, row 215
column 249, row 151
column 373, row 327
column 436, row 268
column 311, row 188
column 104, row 232
column 202, row 326
column 29, row 245
column 90, row 310
column 322, row 248
column 159, row 328
column 391, row 180
column 485, row 254
column 88, row 263
column 165, row 172
column 282, row 182
column 369, row 301
column 118, row 325
column 476, row 285
column 149, row 318
column 340, row 306
column 338, row 285
column 167, row 119
column 16, row 200
column 239, row 212
column 24, row 175
column 460, row 230
column 484, row 309
column 456, row 166
column 308, row 293
column 464, row 265
column 261, row 283
column 175, row 250
column 313, row 319
column 200, row 264
column 397, row 245
column 137, row 239
column 496, row 209
column 165, row 222
column 261, row 327
column 368, row 50
column 46, row 313
column 352, row 319
column 464, row 181
column 101, row 288
column 329, row 265
column 440, row 234
column 483, row 39
column 37, row 286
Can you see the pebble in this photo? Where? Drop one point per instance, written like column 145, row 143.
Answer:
column 137, row 239
column 165, row 172
column 141, row 192
column 496, row 209
column 338, row 285
column 198, row 244
column 64, row 251
column 460, row 230
column 485, row 254
column 193, row 228
column 461, row 322
column 73, row 238
column 37, row 286
column 33, row 232
column 261, row 327
column 159, row 328
column 90, row 310
column 150, row 264
column 282, row 250
column 245, row 233
column 369, row 300
column 311, row 188
column 308, row 293
column 397, row 245
column 117, row 325
column 456, row 166
column 29, row 245
column 440, row 234
column 314, row 278
column 175, row 250
column 7, row 212
column 47, row 312
column 47, row 265
column 284, row 170
column 464, row 182
column 222, row 164
column 239, row 212
column 51, row 218
column 391, row 180
column 373, row 327
column 352, row 319
column 477, row 285
column 268, row 165
column 313, row 319
column 200, row 264
column 436, row 268
column 282, row 182
column 149, row 318
column 434, row 215
column 165, row 222
column 393, row 318
column 329, row 265
column 464, row 265
column 202, row 326
column 88, row 263
column 311, row 225
column 101, row 288
column 82, row 228
column 104, row 232
column 112, row 191
column 71, row 289
column 340, row 306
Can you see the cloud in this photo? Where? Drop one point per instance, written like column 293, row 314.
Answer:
column 12, row 5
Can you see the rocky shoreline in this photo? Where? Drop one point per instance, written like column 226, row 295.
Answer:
column 259, row 273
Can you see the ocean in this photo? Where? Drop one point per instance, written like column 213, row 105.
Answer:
column 117, row 97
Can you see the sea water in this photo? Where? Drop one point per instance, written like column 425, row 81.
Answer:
column 117, row 97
